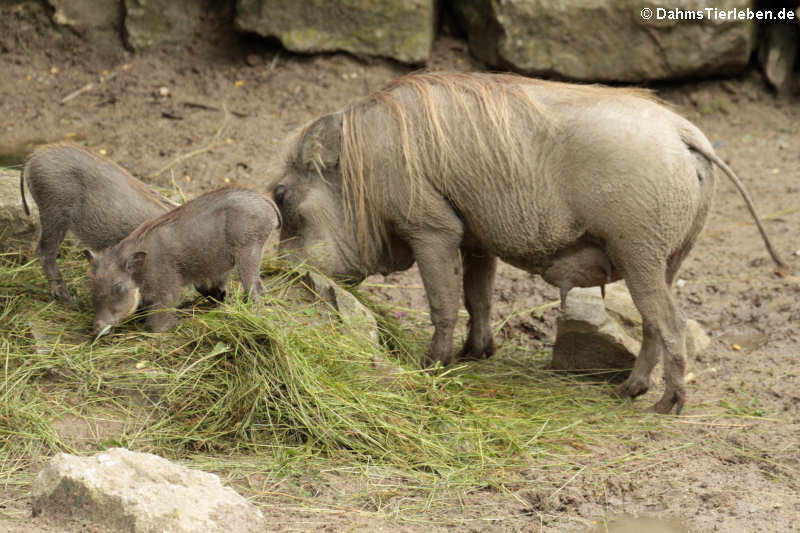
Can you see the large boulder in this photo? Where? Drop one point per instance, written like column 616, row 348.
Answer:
column 87, row 13
column 400, row 29
column 152, row 22
column 778, row 53
column 588, row 338
column 607, row 40
column 15, row 225
column 141, row 493
column 605, row 334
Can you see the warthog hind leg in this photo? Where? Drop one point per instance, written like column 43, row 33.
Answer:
column 664, row 332
column 53, row 232
column 479, row 270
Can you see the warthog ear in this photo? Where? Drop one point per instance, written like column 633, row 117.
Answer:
column 320, row 144
column 134, row 263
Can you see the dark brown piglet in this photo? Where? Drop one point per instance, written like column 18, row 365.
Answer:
column 91, row 196
column 197, row 243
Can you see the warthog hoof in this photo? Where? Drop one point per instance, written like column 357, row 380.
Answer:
column 470, row 352
column 632, row 387
column 664, row 406
column 430, row 360
column 61, row 294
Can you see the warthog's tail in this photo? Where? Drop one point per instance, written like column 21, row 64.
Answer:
column 22, row 190
column 690, row 137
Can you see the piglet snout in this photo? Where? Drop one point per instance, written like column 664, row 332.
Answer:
column 102, row 328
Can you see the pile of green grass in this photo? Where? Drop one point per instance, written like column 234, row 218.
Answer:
column 286, row 386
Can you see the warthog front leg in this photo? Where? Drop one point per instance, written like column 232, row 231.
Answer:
column 162, row 315
column 479, row 270
column 439, row 264
column 161, row 319
column 248, row 264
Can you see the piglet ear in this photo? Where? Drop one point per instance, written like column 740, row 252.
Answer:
column 134, row 263
column 90, row 256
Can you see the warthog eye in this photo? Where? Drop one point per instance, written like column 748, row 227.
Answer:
column 279, row 193
column 116, row 289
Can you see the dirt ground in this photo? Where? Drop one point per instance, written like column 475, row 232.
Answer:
column 212, row 111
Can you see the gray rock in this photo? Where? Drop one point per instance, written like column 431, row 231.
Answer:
column 588, row 338
column 400, row 29
column 605, row 40
column 593, row 333
column 12, row 3
column 354, row 315
column 697, row 340
column 151, row 22
column 43, row 338
column 778, row 53
column 87, row 13
column 620, row 306
column 389, row 373
column 15, row 226
column 141, row 493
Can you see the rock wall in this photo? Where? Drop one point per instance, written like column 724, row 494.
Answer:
column 151, row 22
column 605, row 40
column 584, row 40
column 778, row 54
column 15, row 226
column 400, row 29
column 92, row 13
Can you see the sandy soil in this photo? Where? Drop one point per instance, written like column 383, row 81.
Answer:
column 211, row 111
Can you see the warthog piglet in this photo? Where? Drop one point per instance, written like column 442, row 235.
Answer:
column 89, row 195
column 197, row 243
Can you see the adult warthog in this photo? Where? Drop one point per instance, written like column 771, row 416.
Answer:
column 582, row 184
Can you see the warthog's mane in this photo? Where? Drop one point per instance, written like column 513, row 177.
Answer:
column 436, row 115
